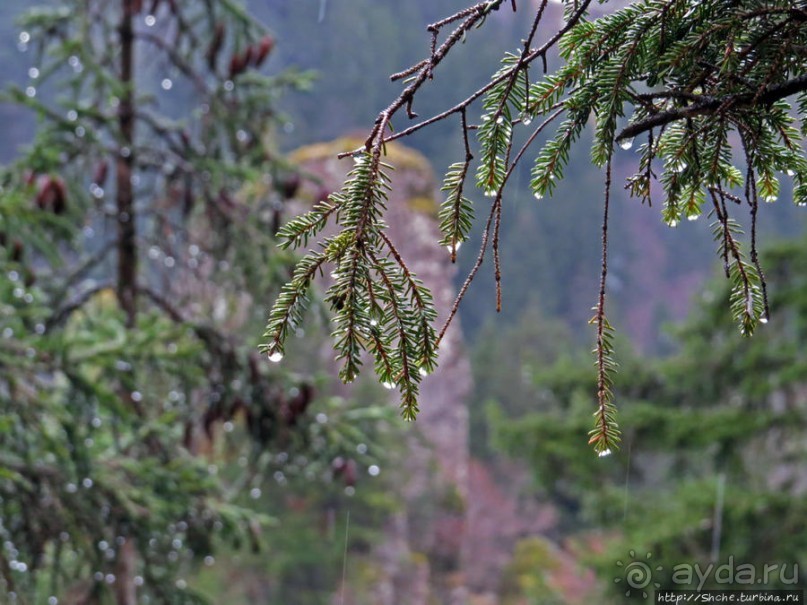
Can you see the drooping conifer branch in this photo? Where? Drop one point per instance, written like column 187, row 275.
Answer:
column 605, row 435
column 660, row 67
column 456, row 212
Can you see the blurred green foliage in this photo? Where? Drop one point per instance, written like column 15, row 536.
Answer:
column 713, row 460
column 140, row 450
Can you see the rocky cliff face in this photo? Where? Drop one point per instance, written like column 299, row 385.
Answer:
column 422, row 554
column 462, row 523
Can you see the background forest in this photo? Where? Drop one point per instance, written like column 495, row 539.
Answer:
column 148, row 454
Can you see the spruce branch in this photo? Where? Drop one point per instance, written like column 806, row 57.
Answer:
column 708, row 105
column 456, row 212
column 297, row 231
column 691, row 75
column 605, row 435
column 400, row 316
column 745, row 301
column 287, row 312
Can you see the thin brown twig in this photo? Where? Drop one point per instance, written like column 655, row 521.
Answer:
column 497, row 269
column 460, row 190
column 471, row 275
column 475, row 14
column 602, row 385
column 531, row 140
column 753, row 202
column 533, row 55
column 522, row 60
column 731, row 246
column 409, row 70
column 481, row 257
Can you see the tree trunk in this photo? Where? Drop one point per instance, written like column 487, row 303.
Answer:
column 127, row 245
column 125, row 590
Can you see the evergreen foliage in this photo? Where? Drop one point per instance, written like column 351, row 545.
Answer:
column 707, row 83
column 379, row 305
column 139, row 423
column 704, row 420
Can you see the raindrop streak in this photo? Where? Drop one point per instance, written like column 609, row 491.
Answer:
column 275, row 357
column 718, row 516
column 344, row 559
column 323, row 6
column 627, row 483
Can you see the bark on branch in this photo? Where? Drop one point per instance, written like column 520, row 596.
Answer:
column 710, row 104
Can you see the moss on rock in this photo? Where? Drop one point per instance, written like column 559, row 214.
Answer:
column 402, row 158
